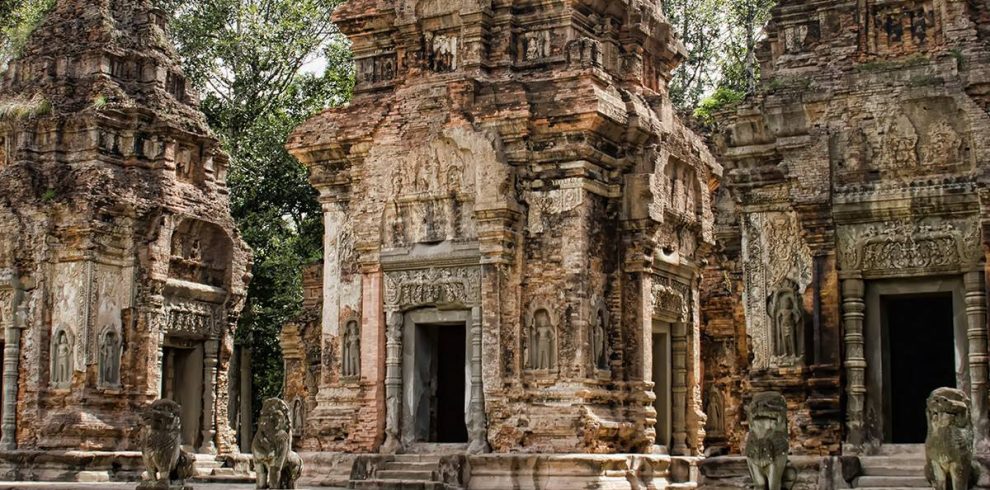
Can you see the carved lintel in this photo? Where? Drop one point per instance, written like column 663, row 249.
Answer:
column 885, row 248
column 434, row 286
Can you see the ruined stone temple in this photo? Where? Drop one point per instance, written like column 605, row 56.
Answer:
column 514, row 225
column 852, row 231
column 121, row 273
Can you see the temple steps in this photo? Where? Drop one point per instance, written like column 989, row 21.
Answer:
column 207, row 469
column 897, row 467
column 405, row 472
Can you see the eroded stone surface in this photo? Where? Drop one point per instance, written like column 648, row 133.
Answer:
column 118, row 252
column 516, row 171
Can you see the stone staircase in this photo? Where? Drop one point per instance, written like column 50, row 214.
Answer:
column 404, row 472
column 207, row 469
column 897, row 467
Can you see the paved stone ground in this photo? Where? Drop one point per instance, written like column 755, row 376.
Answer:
column 129, row 486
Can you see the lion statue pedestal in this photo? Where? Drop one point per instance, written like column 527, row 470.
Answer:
column 949, row 445
column 168, row 466
column 767, row 444
column 277, row 466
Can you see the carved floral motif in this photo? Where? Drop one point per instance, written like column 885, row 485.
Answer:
column 671, row 298
column 894, row 246
column 434, row 286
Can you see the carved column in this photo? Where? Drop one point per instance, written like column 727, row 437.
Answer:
column 479, row 424
column 393, row 382
column 976, row 333
column 169, row 365
column 212, row 348
column 11, row 366
column 853, row 308
column 679, row 388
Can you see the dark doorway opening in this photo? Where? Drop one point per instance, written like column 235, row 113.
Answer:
column 919, row 356
column 440, row 360
column 447, row 423
column 182, row 382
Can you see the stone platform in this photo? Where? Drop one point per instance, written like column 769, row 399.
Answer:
column 500, row 471
column 116, row 466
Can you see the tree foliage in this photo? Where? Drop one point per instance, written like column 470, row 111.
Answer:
column 721, row 38
column 18, row 19
column 248, row 57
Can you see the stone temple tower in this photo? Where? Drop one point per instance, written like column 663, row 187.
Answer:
column 121, row 273
column 514, row 220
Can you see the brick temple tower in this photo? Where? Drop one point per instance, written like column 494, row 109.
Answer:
column 122, row 273
column 514, row 220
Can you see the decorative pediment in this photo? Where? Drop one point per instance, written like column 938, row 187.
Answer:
column 671, row 299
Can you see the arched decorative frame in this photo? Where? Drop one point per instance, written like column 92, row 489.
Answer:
column 529, row 337
column 61, row 368
column 109, row 357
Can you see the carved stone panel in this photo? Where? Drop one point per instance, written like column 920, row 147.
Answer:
column 433, row 286
column 189, row 318
column 774, row 258
column 440, row 52
column 377, row 69
column 910, row 247
column 671, row 299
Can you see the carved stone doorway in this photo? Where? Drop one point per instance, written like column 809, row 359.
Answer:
column 919, row 357
column 436, row 377
column 662, row 382
column 916, row 341
column 182, row 382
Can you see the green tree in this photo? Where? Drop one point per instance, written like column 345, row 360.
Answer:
column 18, row 19
column 253, row 63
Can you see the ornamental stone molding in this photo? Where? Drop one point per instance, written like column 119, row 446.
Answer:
column 433, row 286
column 671, row 299
column 192, row 318
column 892, row 248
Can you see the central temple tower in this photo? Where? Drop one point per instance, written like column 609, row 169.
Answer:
column 514, row 218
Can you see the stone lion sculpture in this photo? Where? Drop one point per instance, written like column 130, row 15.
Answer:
column 949, row 445
column 277, row 466
column 766, row 445
column 167, row 464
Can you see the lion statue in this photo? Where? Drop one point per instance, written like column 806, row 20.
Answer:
column 167, row 464
column 767, row 446
column 277, row 466
column 949, row 445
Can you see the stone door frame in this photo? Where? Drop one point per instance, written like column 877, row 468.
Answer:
column 877, row 376
column 909, row 250
column 450, row 288
column 673, row 305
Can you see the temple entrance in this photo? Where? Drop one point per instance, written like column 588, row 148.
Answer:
column 919, row 356
column 662, row 382
column 436, row 371
column 182, row 382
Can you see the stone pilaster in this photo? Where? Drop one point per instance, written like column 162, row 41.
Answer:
column 209, row 396
column 11, row 366
column 393, row 382
column 853, row 308
column 478, row 430
column 976, row 333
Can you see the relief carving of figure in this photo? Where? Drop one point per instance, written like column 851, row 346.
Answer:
column 944, row 145
column 901, row 144
column 168, row 466
column 110, row 358
column 949, row 445
column 352, row 350
column 715, row 410
column 277, row 466
column 599, row 341
column 787, row 321
column 61, row 374
column 766, row 445
column 542, row 341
